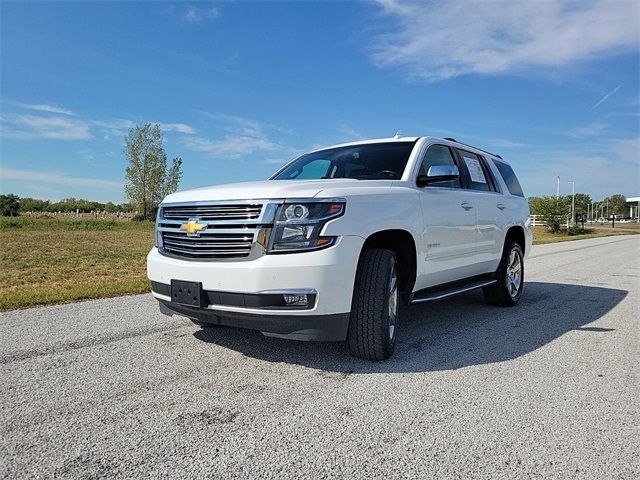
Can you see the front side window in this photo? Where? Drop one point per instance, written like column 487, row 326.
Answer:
column 478, row 175
column 438, row 155
column 374, row 161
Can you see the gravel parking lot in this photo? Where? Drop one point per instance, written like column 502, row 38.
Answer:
column 549, row 389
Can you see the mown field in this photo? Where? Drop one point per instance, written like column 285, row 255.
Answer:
column 47, row 261
column 50, row 261
column 542, row 236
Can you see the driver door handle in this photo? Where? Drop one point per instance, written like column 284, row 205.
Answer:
column 467, row 206
column 501, row 206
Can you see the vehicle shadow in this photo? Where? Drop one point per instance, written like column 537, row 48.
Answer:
column 452, row 334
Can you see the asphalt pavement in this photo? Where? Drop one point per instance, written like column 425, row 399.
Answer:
column 549, row 389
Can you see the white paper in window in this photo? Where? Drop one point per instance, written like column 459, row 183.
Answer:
column 475, row 170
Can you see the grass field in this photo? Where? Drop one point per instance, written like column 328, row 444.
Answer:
column 542, row 236
column 53, row 261
column 47, row 261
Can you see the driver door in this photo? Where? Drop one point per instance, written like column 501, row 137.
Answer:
column 448, row 240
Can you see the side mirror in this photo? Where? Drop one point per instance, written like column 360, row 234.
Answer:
column 438, row 173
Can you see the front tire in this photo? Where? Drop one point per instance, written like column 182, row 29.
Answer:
column 374, row 311
column 510, row 278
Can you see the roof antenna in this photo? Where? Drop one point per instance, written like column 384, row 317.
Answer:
column 398, row 134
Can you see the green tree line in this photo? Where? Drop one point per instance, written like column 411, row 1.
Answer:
column 12, row 205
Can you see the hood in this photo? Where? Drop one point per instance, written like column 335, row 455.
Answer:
column 268, row 189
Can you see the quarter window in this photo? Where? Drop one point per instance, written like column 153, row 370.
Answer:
column 439, row 155
column 509, row 178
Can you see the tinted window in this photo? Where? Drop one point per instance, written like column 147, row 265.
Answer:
column 478, row 176
column 509, row 178
column 375, row 161
column 438, row 155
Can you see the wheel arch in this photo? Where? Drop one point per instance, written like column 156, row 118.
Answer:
column 402, row 243
column 516, row 234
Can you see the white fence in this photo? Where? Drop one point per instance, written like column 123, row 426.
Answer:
column 536, row 221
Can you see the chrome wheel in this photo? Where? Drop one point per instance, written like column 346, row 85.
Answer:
column 393, row 303
column 514, row 274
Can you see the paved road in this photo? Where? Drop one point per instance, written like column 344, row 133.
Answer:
column 111, row 388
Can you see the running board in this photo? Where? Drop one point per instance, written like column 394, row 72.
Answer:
column 433, row 294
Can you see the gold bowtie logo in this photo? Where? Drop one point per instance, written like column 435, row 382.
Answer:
column 192, row 227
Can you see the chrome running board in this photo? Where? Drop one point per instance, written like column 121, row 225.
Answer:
column 433, row 294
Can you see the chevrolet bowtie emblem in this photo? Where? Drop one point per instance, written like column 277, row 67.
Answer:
column 192, row 227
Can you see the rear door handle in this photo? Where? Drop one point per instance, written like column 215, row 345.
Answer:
column 467, row 206
column 501, row 206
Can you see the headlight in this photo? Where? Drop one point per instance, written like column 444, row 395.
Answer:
column 299, row 222
column 158, row 236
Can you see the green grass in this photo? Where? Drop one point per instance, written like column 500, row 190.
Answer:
column 51, row 261
column 542, row 236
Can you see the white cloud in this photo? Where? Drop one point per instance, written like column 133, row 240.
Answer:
column 22, row 126
column 56, row 178
column 42, row 107
column 243, row 136
column 439, row 40
column 590, row 130
column 177, row 127
column 51, row 125
column 231, row 145
column 196, row 15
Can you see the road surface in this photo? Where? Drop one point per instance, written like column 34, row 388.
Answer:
column 549, row 389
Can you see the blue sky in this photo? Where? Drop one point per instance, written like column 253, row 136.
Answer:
column 239, row 87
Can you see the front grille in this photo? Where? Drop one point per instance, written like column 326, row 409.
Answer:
column 209, row 245
column 213, row 212
column 226, row 231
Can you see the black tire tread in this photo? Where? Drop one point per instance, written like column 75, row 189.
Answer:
column 367, row 335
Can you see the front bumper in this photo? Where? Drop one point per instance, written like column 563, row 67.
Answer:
column 329, row 272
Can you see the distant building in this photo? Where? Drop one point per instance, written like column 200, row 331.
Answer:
column 634, row 206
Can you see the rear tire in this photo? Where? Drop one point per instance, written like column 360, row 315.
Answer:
column 510, row 278
column 374, row 311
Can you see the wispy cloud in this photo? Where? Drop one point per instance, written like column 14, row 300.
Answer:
column 51, row 125
column 438, row 40
column 590, row 130
column 243, row 136
column 605, row 98
column 196, row 15
column 177, row 127
column 22, row 126
column 42, row 107
column 56, row 178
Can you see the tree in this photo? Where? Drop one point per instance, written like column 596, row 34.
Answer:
column 33, row 205
column 554, row 211
column 9, row 205
column 617, row 204
column 148, row 179
column 583, row 202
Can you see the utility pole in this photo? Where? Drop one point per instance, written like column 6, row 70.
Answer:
column 558, row 187
column 573, row 201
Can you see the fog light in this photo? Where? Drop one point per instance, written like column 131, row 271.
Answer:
column 295, row 300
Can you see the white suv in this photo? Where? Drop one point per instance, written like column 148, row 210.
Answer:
column 329, row 246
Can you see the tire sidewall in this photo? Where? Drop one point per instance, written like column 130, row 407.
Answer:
column 503, row 273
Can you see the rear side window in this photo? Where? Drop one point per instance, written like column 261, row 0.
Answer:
column 509, row 178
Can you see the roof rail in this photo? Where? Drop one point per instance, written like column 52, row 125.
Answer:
column 467, row 145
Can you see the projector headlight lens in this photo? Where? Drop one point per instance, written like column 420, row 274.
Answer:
column 298, row 225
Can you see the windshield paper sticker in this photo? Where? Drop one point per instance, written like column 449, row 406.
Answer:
column 475, row 170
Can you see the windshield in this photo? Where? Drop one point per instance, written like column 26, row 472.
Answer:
column 374, row 161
